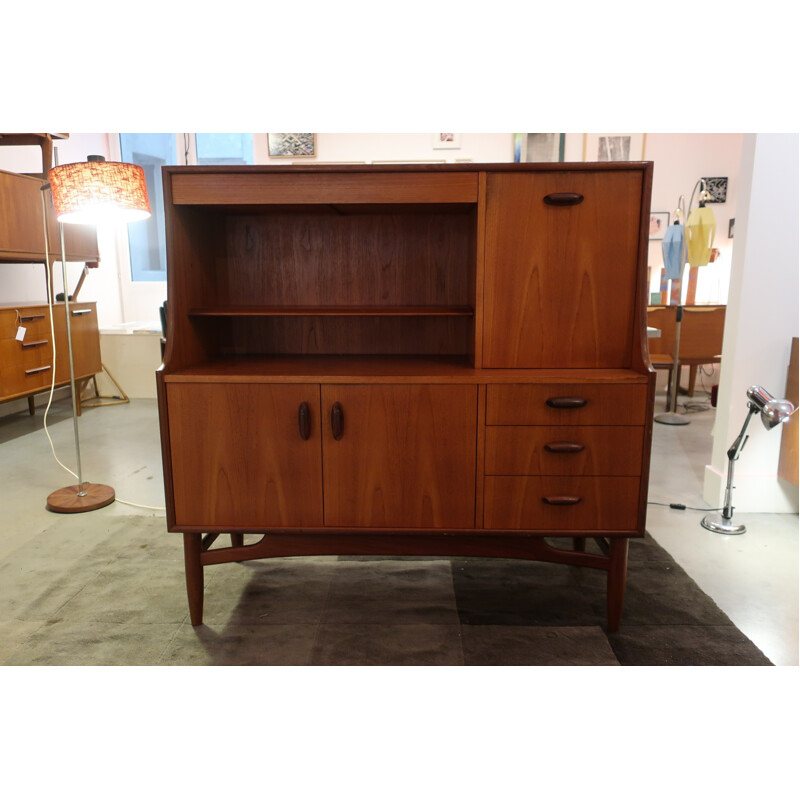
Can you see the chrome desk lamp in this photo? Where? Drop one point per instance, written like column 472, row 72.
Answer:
column 773, row 412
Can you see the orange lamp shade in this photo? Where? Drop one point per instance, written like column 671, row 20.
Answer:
column 94, row 191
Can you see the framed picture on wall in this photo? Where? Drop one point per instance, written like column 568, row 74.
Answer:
column 659, row 220
column 531, row 147
column 446, row 141
column 613, row 146
column 291, row 145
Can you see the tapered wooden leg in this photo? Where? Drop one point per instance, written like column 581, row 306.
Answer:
column 579, row 544
column 31, row 405
column 237, row 539
column 618, row 554
column 692, row 379
column 192, row 546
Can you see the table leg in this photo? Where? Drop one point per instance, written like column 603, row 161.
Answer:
column 192, row 544
column 618, row 555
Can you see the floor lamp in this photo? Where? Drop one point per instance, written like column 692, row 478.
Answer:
column 694, row 244
column 91, row 192
column 773, row 412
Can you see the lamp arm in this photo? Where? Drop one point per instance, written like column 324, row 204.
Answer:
column 738, row 445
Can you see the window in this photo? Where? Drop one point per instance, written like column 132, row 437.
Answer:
column 151, row 151
column 147, row 242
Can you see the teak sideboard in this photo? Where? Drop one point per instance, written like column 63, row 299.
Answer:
column 407, row 360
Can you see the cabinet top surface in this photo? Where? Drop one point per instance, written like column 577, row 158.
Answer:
column 568, row 166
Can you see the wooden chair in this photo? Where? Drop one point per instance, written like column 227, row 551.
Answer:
column 662, row 348
column 701, row 339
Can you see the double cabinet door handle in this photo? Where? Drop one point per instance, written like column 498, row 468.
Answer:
column 337, row 421
column 304, row 421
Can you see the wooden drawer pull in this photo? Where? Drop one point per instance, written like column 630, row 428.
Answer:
column 81, row 311
column 564, row 447
column 566, row 402
column 562, row 500
column 28, row 345
column 31, row 317
column 337, row 421
column 304, row 421
column 563, row 199
column 38, row 369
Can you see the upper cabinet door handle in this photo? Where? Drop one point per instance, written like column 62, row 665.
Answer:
column 563, row 198
column 304, row 421
column 566, row 402
column 337, row 421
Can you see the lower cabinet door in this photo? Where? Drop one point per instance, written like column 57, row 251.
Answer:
column 245, row 455
column 399, row 456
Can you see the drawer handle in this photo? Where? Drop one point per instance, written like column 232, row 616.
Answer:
column 562, row 500
column 566, row 402
column 28, row 345
column 564, row 447
column 81, row 311
column 38, row 369
column 31, row 317
column 563, row 199
column 304, row 421
column 337, row 421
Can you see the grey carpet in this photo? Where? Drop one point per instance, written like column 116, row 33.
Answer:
column 110, row 591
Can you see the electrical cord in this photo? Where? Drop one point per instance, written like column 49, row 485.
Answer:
column 682, row 507
column 53, row 379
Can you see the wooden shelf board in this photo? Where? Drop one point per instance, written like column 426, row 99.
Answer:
column 382, row 369
column 325, row 311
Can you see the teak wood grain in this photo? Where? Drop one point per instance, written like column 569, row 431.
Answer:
column 238, row 458
column 564, row 450
column 603, row 503
column 527, row 404
column 332, row 187
column 561, row 281
column 406, row 457
column 302, row 259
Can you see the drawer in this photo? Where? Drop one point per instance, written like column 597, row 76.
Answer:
column 25, row 369
column 561, row 503
column 566, row 404
column 564, row 450
column 333, row 187
column 36, row 322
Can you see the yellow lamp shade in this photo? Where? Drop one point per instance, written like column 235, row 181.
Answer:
column 94, row 191
column 700, row 229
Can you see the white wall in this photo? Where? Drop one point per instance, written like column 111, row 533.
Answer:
column 761, row 320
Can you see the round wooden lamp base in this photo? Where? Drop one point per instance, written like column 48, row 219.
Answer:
column 85, row 497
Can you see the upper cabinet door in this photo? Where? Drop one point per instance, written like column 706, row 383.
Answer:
column 561, row 268
column 245, row 455
column 399, row 456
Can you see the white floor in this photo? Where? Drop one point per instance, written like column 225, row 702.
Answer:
column 752, row 577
